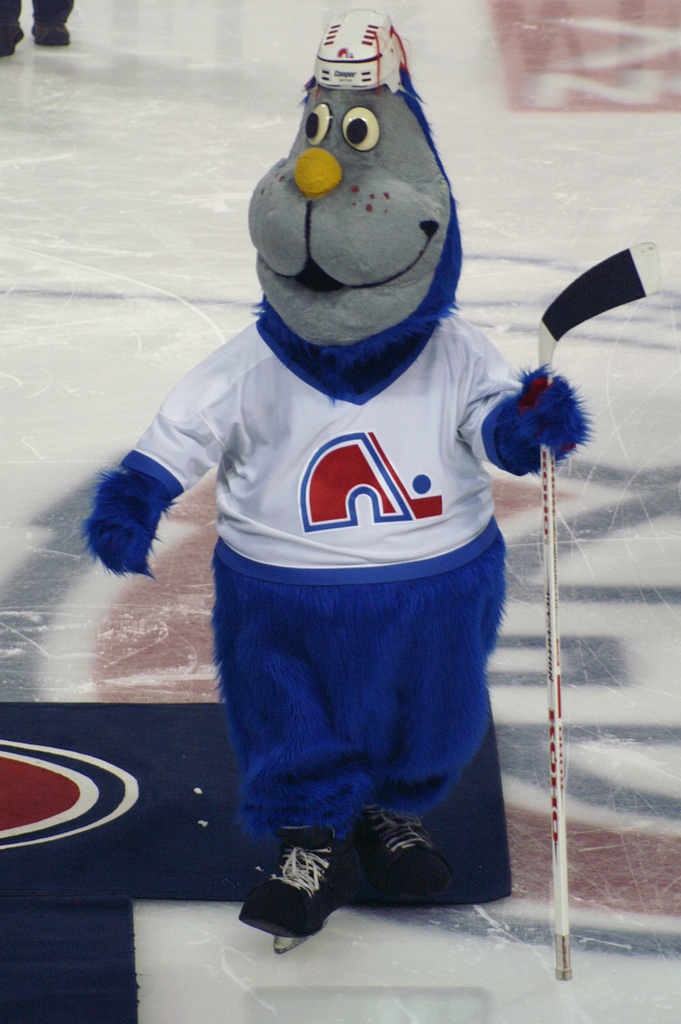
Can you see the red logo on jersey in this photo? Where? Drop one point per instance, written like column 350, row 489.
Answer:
column 353, row 465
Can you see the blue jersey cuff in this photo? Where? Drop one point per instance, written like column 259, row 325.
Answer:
column 488, row 428
column 144, row 464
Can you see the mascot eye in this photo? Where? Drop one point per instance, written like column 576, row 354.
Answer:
column 360, row 128
column 318, row 124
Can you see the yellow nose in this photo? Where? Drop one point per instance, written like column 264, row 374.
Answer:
column 317, row 173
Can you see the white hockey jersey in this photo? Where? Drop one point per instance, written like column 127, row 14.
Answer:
column 321, row 490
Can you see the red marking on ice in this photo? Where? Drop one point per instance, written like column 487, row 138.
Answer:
column 625, row 871
column 514, row 496
column 590, row 54
column 155, row 645
column 30, row 793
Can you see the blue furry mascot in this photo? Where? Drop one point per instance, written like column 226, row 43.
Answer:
column 359, row 571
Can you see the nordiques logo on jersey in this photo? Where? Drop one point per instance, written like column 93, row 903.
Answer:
column 353, row 465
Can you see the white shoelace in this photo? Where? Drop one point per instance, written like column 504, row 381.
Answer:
column 303, row 869
column 396, row 831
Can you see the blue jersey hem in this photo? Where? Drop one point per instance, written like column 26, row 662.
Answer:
column 363, row 574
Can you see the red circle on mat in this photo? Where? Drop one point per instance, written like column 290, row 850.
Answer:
column 29, row 793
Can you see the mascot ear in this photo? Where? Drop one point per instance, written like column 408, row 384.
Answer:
column 122, row 526
column 541, row 413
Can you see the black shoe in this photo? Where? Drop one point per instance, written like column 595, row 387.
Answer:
column 51, row 35
column 10, row 35
column 398, row 856
column 316, row 875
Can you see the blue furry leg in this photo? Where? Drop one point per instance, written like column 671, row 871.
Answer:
column 341, row 696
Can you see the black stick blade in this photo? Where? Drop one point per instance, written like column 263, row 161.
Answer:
column 628, row 275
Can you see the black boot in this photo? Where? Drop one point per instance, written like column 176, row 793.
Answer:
column 316, row 875
column 398, row 856
column 51, row 35
column 10, row 35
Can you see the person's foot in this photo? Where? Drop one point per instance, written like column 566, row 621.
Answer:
column 51, row 35
column 10, row 35
column 317, row 874
column 398, row 856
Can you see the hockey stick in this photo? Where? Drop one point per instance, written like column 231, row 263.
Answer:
column 625, row 277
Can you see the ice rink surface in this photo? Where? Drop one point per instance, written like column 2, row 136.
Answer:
column 127, row 162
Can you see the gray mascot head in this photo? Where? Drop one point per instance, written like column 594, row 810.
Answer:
column 356, row 229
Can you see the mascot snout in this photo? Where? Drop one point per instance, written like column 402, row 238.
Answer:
column 317, row 172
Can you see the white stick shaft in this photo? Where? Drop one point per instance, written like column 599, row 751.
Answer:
column 558, row 828
column 621, row 278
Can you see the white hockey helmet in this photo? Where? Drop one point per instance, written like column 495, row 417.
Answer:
column 360, row 50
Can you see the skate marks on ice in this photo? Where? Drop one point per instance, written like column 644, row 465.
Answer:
column 374, row 1005
column 476, row 965
column 621, row 698
column 33, row 596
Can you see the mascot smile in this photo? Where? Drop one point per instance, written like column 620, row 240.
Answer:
column 359, row 569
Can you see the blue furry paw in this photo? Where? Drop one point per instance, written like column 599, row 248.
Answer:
column 542, row 413
column 126, row 511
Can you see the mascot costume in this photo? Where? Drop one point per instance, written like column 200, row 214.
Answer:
column 359, row 570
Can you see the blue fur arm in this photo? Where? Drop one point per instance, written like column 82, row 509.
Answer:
column 126, row 511
column 537, row 415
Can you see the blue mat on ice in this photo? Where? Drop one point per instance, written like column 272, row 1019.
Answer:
column 67, row 961
column 140, row 801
